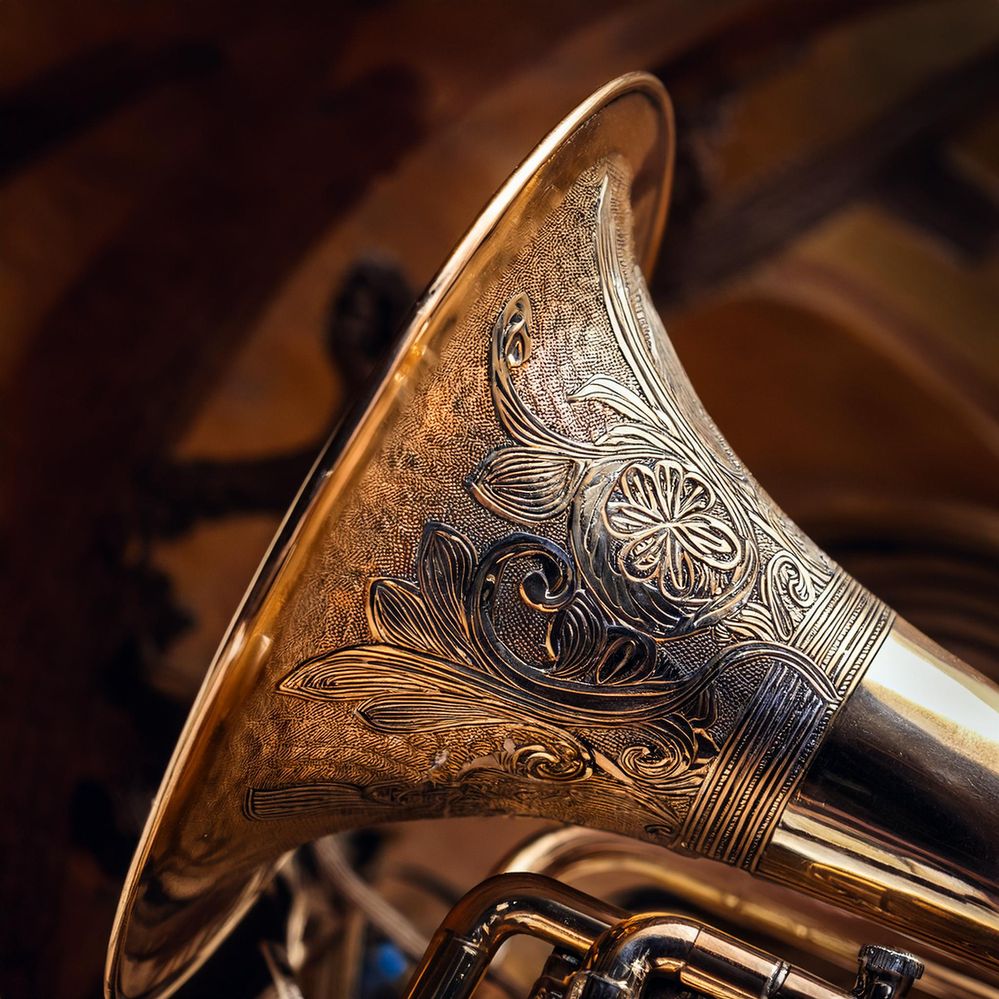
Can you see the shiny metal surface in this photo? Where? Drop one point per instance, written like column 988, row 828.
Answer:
column 696, row 958
column 885, row 971
column 896, row 819
column 736, row 903
column 621, row 955
column 531, row 577
column 505, row 906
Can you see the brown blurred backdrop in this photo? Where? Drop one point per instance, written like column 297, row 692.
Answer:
column 213, row 217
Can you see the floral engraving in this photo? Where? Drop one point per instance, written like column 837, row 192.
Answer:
column 547, row 669
column 594, row 700
column 660, row 514
column 667, row 529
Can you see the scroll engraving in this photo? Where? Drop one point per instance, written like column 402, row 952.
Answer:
column 663, row 525
column 646, row 636
column 438, row 663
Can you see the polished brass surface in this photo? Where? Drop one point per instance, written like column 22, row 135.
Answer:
column 913, row 843
column 733, row 901
column 531, row 577
column 619, row 956
column 499, row 908
column 696, row 958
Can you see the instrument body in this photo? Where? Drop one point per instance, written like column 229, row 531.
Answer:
column 531, row 577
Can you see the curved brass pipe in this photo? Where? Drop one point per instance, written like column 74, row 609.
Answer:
column 608, row 955
column 731, row 899
column 497, row 909
column 692, row 957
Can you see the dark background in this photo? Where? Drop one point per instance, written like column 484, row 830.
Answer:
column 213, row 216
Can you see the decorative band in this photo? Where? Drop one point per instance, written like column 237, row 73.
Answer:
column 766, row 755
column 740, row 799
column 842, row 630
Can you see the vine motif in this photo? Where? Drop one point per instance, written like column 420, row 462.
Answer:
column 663, row 524
column 437, row 663
column 667, row 536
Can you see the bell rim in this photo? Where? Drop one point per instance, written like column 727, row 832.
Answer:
column 533, row 166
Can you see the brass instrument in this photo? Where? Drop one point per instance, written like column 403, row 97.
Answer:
column 531, row 577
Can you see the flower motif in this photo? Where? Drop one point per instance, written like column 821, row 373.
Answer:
column 664, row 516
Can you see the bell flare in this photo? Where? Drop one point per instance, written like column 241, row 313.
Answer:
column 269, row 757
column 531, row 577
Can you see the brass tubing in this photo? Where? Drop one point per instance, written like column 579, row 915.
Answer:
column 694, row 957
column 501, row 907
column 733, row 897
column 621, row 951
column 895, row 818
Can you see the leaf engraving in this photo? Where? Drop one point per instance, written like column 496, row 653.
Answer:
column 549, row 660
column 397, row 615
column 620, row 398
column 526, row 484
column 427, row 712
column 445, row 566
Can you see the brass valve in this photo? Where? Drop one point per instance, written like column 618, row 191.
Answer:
column 885, row 973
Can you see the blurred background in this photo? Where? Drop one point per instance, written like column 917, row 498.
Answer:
column 215, row 215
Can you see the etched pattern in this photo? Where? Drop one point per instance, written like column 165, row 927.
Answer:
column 438, row 663
column 654, row 633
